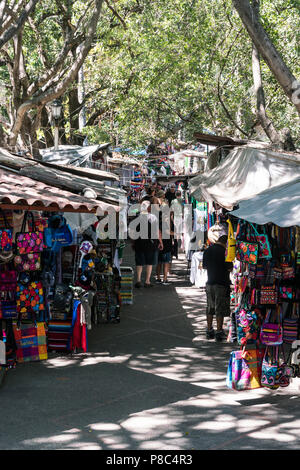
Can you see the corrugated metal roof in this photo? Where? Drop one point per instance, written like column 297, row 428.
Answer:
column 22, row 191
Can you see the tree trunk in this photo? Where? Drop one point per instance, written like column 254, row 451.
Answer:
column 268, row 51
column 262, row 116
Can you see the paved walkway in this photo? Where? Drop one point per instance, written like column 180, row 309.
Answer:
column 151, row 382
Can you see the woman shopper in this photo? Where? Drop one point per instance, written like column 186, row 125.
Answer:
column 146, row 247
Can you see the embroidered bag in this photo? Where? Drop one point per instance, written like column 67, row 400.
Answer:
column 268, row 295
column 29, row 242
column 264, row 250
column 247, row 252
column 30, row 298
column 6, row 235
column 30, row 262
column 8, row 281
column 271, row 334
column 270, row 369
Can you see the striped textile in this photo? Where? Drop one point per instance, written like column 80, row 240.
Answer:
column 126, row 289
column 290, row 330
column 59, row 335
column 31, row 341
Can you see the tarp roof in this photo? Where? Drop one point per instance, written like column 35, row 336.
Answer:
column 74, row 155
column 245, row 172
column 279, row 205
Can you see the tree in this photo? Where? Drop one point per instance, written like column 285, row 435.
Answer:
column 282, row 73
column 76, row 25
column 13, row 17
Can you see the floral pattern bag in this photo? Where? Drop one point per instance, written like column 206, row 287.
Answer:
column 30, row 262
column 6, row 237
column 29, row 242
column 247, row 252
column 264, row 250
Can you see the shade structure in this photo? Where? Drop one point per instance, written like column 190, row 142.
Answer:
column 20, row 192
column 279, row 205
column 245, row 172
column 74, row 155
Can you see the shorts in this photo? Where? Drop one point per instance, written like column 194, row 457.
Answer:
column 146, row 258
column 164, row 257
column 218, row 300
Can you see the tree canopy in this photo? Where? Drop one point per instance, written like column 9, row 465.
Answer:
column 151, row 68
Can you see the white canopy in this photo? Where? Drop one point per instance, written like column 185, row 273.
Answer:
column 244, row 173
column 279, row 205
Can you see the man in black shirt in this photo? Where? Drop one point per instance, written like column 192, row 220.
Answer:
column 217, row 287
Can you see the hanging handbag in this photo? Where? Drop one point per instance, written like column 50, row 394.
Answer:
column 58, row 234
column 271, row 334
column 270, row 369
column 8, row 280
column 264, row 250
column 231, row 244
column 30, row 262
column 244, row 370
column 29, row 242
column 31, row 341
column 268, row 295
column 290, row 326
column 30, row 298
column 247, row 252
column 6, row 235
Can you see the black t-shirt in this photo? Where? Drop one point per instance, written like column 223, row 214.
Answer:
column 148, row 243
column 217, row 268
column 170, row 196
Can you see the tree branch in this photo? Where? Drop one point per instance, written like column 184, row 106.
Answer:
column 13, row 30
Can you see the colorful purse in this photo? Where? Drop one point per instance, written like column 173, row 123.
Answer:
column 8, row 281
column 247, row 252
column 8, row 309
column 29, row 242
column 264, row 250
column 30, row 262
column 271, row 334
column 290, row 327
column 30, row 298
column 244, row 370
column 6, row 236
column 268, row 295
column 270, row 370
column 31, row 341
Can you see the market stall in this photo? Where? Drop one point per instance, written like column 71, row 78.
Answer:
column 58, row 279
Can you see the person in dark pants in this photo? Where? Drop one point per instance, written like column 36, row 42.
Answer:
column 217, row 287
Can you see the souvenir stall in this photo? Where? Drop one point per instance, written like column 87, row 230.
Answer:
column 55, row 282
column 264, row 244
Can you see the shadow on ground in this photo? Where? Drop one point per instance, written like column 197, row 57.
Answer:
column 151, row 382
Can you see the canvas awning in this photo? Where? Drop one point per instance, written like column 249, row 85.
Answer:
column 279, row 205
column 245, row 172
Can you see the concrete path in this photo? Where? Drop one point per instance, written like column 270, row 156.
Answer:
column 151, row 382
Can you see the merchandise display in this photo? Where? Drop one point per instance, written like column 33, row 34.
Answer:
column 54, row 286
column 265, row 321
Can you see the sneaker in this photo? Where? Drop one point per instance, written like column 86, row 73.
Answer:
column 148, row 285
column 158, row 281
column 210, row 334
column 166, row 283
column 138, row 285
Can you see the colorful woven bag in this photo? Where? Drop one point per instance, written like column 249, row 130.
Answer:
column 244, row 370
column 270, row 369
column 31, row 341
column 264, row 250
column 271, row 334
column 29, row 242
column 290, row 327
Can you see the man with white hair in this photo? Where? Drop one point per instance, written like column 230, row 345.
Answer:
column 218, row 282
